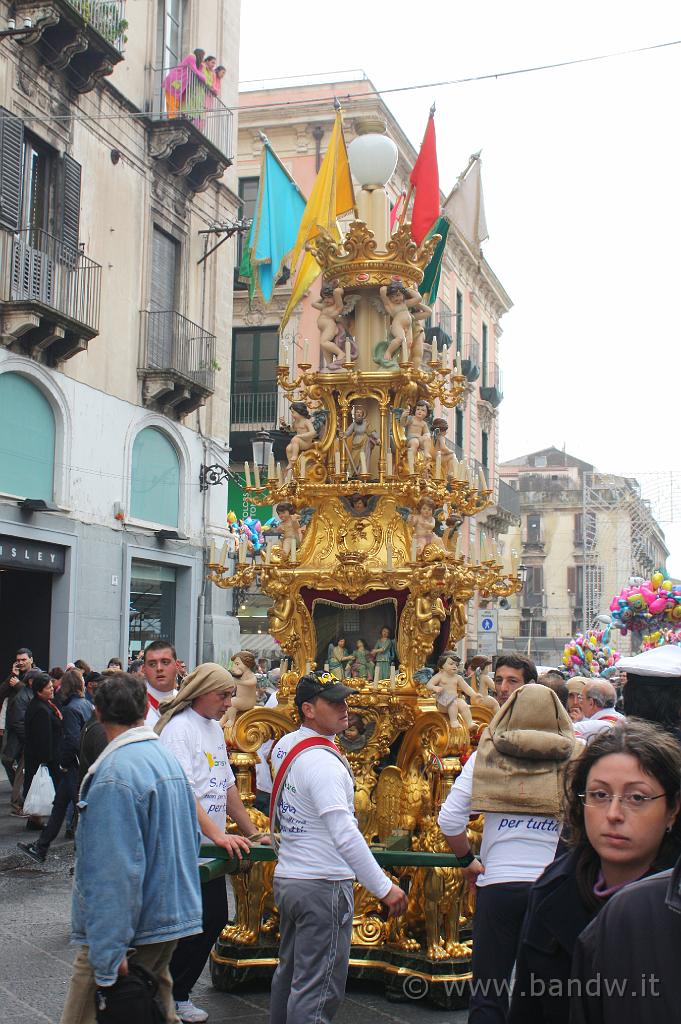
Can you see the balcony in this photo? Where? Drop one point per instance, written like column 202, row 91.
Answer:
column 491, row 389
column 194, row 140
column 178, row 363
column 83, row 38
column 50, row 296
column 257, row 410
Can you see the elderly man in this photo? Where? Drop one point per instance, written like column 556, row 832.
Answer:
column 189, row 728
column 136, row 883
column 575, row 688
column 598, row 707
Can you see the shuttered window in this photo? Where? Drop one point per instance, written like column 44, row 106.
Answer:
column 11, row 153
column 165, row 260
column 70, row 206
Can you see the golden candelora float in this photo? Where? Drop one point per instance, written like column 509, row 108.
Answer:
column 370, row 501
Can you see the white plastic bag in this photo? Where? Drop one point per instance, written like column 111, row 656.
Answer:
column 40, row 797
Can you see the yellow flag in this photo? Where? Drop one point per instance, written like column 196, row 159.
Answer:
column 332, row 195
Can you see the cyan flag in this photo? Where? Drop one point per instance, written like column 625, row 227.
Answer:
column 278, row 213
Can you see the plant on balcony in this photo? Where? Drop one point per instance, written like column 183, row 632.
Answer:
column 104, row 17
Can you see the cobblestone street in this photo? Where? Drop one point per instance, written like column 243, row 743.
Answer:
column 36, row 964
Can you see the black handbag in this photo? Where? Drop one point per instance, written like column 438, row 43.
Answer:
column 132, row 999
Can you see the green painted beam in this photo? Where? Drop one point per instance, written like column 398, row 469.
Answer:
column 222, row 864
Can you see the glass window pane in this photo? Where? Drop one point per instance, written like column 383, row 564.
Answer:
column 152, row 604
column 27, row 434
column 155, row 494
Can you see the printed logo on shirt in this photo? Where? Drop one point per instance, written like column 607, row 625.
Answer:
column 534, row 824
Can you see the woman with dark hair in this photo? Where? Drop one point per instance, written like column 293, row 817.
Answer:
column 622, row 807
column 43, row 726
column 76, row 712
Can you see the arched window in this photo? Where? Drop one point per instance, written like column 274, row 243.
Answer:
column 155, row 492
column 27, row 433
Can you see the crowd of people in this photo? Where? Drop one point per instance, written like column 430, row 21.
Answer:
column 577, row 881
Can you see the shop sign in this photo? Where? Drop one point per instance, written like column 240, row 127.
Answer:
column 31, row 554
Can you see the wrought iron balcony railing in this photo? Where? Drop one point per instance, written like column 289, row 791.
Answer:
column 106, row 17
column 188, row 98
column 491, row 386
column 257, row 410
column 445, row 328
column 509, row 499
column 45, row 270
column 173, row 343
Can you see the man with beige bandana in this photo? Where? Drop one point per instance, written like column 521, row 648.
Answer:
column 188, row 727
column 516, row 778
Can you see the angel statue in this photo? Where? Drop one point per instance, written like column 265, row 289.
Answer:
column 417, row 430
column 448, row 685
column 398, row 302
column 303, row 430
column 330, row 305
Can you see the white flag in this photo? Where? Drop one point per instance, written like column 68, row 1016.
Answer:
column 467, row 206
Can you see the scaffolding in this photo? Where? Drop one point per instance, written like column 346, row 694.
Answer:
column 615, row 516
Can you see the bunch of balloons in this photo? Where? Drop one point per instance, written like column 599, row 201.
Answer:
column 661, row 637
column 646, row 605
column 250, row 529
column 589, row 654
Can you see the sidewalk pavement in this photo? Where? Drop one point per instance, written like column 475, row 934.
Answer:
column 13, row 830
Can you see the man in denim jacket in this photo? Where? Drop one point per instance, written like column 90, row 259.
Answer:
column 136, row 886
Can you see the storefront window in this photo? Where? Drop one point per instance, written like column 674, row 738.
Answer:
column 152, row 604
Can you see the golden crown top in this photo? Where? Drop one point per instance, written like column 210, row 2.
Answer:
column 357, row 262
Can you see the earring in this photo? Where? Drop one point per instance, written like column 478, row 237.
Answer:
column 669, row 828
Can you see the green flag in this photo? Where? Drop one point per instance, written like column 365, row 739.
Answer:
column 431, row 277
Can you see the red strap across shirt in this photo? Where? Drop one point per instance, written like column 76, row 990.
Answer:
column 282, row 771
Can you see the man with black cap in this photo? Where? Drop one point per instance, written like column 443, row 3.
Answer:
column 653, row 687
column 321, row 851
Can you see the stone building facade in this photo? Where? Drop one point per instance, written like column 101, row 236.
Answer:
column 115, row 334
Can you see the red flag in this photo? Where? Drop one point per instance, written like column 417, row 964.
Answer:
column 426, row 183
column 397, row 210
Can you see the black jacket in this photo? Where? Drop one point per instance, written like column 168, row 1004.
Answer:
column 77, row 712
column 18, row 698
column 554, row 918
column 43, row 735
column 92, row 742
column 635, row 938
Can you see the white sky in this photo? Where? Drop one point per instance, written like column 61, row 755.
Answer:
column 581, row 175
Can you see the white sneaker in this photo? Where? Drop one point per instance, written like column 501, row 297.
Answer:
column 190, row 1014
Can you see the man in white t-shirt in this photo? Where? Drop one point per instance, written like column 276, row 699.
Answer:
column 598, row 707
column 197, row 741
column 160, row 671
column 321, row 852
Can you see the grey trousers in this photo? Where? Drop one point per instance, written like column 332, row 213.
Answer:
column 314, row 950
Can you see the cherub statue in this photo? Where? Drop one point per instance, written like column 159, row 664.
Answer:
column 447, row 685
column 439, row 430
column 289, row 526
column 398, row 302
column 417, row 429
column 243, row 664
column 330, row 305
column 451, row 533
column 363, row 438
column 304, row 432
column 419, row 314
column 318, row 414
column 423, row 522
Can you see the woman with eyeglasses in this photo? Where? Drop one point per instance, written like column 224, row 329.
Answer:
column 622, row 812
